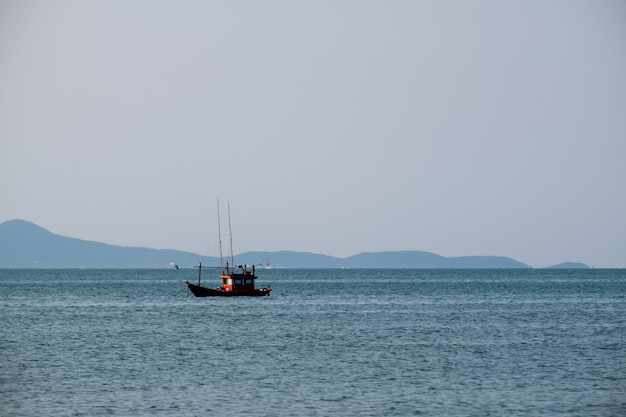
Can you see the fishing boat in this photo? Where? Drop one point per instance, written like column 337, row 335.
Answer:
column 236, row 281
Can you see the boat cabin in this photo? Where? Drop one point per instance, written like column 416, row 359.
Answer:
column 241, row 281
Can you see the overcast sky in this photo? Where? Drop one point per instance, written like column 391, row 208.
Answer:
column 334, row 127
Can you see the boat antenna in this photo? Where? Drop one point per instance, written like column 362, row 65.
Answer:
column 219, row 232
column 230, row 231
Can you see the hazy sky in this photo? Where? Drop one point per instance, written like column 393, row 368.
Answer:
column 335, row 127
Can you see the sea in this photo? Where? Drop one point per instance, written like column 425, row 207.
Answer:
column 341, row 342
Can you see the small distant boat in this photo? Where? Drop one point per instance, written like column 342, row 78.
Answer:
column 237, row 281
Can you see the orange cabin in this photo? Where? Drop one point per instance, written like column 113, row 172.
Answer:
column 238, row 282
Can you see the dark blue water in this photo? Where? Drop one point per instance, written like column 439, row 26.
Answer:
column 326, row 342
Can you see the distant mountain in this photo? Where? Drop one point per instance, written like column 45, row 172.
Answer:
column 569, row 265
column 401, row 259
column 290, row 259
column 26, row 245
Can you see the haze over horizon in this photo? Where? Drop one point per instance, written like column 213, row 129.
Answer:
column 458, row 128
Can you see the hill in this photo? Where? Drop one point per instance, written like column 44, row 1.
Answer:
column 569, row 265
column 399, row 259
column 27, row 245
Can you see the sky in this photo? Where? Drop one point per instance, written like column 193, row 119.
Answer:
column 334, row 127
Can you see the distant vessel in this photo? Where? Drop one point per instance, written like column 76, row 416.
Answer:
column 236, row 281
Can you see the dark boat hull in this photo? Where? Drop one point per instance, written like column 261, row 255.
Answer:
column 200, row 291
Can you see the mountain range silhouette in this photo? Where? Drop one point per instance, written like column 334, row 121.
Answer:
column 26, row 245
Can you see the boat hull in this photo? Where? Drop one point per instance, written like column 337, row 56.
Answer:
column 200, row 291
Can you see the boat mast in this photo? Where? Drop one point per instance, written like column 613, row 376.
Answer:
column 219, row 232
column 230, row 232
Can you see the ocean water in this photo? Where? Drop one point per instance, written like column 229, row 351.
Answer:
column 326, row 342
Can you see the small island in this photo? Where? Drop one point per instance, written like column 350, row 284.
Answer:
column 569, row 265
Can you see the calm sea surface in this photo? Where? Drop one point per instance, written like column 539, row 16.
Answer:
column 326, row 342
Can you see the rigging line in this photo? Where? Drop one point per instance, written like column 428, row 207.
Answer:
column 230, row 231
column 219, row 233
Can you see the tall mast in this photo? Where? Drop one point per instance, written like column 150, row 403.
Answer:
column 232, row 258
column 219, row 232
